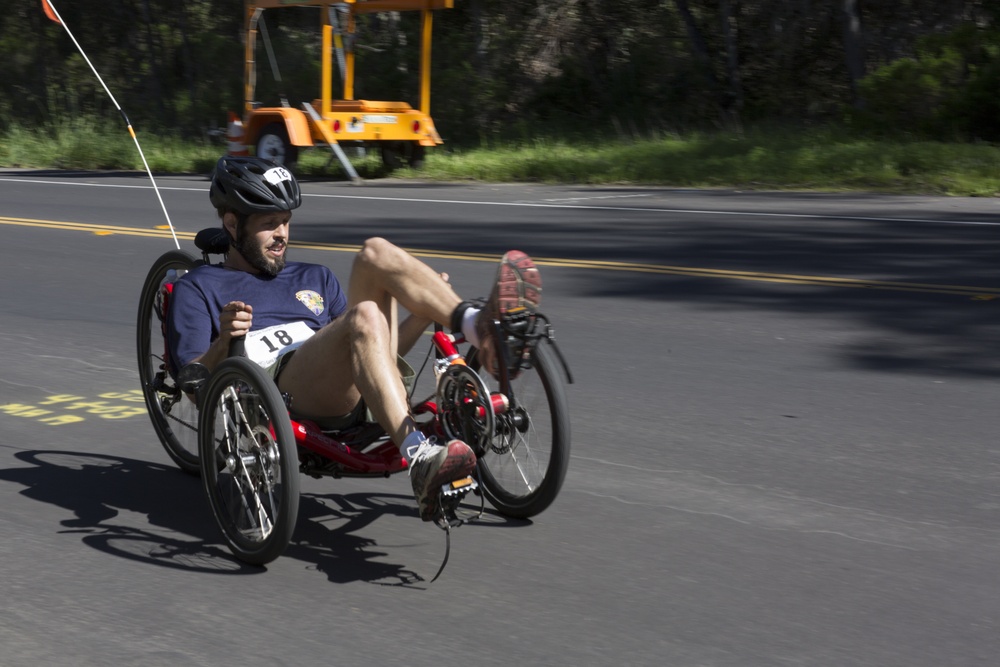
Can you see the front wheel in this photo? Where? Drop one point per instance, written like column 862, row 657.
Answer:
column 173, row 413
column 249, row 461
column 523, row 467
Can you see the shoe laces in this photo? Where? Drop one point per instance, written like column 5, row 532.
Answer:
column 419, row 453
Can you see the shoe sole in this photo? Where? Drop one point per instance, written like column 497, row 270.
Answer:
column 519, row 283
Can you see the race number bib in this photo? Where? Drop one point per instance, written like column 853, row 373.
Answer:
column 264, row 346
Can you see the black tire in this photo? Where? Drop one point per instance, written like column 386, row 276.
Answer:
column 174, row 415
column 417, row 157
column 396, row 153
column 273, row 144
column 524, row 468
column 249, row 461
column 392, row 154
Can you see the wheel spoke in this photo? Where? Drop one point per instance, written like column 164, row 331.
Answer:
column 524, row 463
column 524, row 477
column 247, row 411
column 231, row 429
column 246, row 434
column 167, row 406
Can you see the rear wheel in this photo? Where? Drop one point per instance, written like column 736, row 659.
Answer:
column 273, row 144
column 523, row 467
column 174, row 415
column 249, row 461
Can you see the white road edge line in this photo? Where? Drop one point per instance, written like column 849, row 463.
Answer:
column 631, row 209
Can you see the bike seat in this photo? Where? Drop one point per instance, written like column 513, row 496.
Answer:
column 212, row 241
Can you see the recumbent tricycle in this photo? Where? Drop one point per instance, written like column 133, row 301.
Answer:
column 232, row 426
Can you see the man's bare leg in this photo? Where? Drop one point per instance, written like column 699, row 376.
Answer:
column 349, row 358
column 356, row 355
column 383, row 272
column 352, row 357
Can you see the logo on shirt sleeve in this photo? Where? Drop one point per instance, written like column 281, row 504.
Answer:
column 311, row 300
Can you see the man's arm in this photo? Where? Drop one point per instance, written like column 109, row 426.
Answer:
column 198, row 332
column 234, row 322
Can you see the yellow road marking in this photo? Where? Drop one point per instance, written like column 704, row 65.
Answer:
column 978, row 293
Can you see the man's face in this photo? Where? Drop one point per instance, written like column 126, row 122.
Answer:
column 263, row 241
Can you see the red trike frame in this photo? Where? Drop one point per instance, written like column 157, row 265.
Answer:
column 385, row 458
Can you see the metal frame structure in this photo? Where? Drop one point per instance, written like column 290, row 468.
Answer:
column 397, row 128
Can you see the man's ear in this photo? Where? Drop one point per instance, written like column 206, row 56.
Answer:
column 229, row 223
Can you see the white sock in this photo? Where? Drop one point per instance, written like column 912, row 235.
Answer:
column 412, row 441
column 469, row 325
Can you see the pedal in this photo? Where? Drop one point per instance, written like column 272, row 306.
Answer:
column 459, row 487
column 448, row 501
column 446, row 518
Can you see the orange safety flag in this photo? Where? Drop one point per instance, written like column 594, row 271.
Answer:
column 48, row 11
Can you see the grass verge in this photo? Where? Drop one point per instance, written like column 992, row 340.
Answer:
column 827, row 160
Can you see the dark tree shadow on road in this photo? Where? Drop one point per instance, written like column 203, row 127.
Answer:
column 940, row 335
column 910, row 329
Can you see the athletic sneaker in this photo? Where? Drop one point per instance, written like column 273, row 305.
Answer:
column 432, row 466
column 518, row 289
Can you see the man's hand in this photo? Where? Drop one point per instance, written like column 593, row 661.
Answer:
column 235, row 320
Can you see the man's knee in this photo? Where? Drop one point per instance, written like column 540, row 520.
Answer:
column 378, row 252
column 366, row 321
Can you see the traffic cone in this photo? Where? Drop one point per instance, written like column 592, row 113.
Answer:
column 235, row 136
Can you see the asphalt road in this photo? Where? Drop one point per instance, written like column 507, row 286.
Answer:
column 785, row 441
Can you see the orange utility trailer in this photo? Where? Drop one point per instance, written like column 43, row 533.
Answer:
column 399, row 131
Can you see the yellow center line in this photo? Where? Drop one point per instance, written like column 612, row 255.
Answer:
column 979, row 293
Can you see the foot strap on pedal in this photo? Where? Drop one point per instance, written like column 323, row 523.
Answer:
column 524, row 330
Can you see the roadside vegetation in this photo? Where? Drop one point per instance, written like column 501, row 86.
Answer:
column 828, row 160
column 820, row 95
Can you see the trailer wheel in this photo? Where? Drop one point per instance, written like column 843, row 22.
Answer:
column 273, row 144
column 391, row 158
column 397, row 153
column 417, row 156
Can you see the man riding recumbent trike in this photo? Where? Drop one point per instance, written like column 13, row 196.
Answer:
column 256, row 368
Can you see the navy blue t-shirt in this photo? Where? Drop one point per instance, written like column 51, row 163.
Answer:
column 300, row 292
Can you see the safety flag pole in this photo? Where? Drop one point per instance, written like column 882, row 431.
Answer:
column 53, row 14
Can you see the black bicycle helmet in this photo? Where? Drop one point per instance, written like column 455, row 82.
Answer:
column 253, row 185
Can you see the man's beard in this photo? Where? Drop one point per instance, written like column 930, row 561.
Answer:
column 254, row 255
